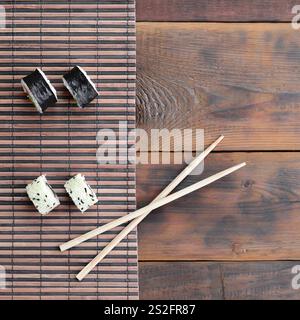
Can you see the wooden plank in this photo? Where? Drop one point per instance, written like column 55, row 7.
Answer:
column 180, row 281
column 241, row 80
column 251, row 215
column 215, row 10
column 219, row 281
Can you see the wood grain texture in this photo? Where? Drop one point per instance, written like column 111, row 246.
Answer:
column 251, row 215
column 55, row 36
column 218, row 281
column 241, row 80
column 215, row 10
column 180, row 280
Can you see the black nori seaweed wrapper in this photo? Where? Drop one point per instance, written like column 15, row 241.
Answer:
column 40, row 89
column 80, row 87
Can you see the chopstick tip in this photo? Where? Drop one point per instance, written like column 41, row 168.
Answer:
column 241, row 165
column 79, row 277
column 220, row 138
column 61, row 248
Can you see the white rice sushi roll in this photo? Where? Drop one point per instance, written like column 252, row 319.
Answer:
column 39, row 90
column 42, row 195
column 81, row 87
column 81, row 193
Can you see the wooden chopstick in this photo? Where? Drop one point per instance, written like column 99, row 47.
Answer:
column 76, row 241
column 89, row 267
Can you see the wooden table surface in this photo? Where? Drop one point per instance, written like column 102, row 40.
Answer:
column 230, row 67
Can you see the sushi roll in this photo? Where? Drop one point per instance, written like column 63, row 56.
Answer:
column 39, row 90
column 81, row 87
column 81, row 193
column 42, row 195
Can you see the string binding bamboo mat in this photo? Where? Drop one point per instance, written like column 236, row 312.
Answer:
column 56, row 35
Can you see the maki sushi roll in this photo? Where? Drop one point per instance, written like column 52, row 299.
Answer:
column 81, row 193
column 81, row 87
column 42, row 195
column 39, row 90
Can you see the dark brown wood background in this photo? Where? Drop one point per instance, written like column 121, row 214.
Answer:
column 206, row 64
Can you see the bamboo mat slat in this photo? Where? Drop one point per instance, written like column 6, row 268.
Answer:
column 56, row 35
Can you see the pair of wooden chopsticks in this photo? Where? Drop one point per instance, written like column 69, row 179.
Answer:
column 139, row 215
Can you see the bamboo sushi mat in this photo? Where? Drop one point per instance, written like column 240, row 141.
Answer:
column 55, row 36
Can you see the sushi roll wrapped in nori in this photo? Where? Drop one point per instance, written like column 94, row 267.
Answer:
column 42, row 195
column 81, row 87
column 39, row 90
column 81, row 193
